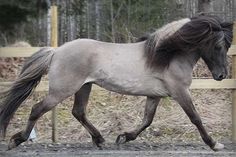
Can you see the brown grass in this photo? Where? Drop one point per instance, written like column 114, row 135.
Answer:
column 113, row 114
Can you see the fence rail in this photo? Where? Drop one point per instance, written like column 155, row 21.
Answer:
column 28, row 51
column 196, row 84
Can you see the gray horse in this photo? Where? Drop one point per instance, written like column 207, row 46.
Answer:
column 157, row 67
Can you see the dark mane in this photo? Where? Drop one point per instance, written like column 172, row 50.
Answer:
column 190, row 37
column 142, row 38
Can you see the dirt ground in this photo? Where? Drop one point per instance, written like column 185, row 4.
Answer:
column 131, row 149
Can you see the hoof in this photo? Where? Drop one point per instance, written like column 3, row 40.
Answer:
column 11, row 145
column 16, row 140
column 123, row 138
column 2, row 135
column 218, row 147
column 98, row 141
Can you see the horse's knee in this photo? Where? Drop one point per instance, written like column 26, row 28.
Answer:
column 42, row 107
column 35, row 111
column 80, row 115
column 74, row 113
column 196, row 121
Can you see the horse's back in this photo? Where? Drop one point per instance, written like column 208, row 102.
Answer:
column 116, row 67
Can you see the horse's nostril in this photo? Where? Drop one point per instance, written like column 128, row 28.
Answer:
column 221, row 76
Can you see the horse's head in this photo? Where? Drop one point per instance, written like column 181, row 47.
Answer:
column 215, row 47
column 206, row 35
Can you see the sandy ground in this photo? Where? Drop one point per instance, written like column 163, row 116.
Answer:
column 132, row 149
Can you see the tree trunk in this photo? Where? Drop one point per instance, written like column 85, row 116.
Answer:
column 234, row 9
column 112, row 22
column 49, row 26
column 98, row 18
column 62, row 22
column 70, row 22
column 205, row 6
column 88, row 19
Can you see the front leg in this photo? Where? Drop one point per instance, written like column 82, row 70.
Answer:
column 150, row 109
column 184, row 99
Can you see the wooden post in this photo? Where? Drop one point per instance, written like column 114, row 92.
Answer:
column 54, row 41
column 234, row 91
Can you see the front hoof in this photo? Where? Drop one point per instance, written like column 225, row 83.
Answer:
column 98, row 141
column 123, row 138
column 218, row 147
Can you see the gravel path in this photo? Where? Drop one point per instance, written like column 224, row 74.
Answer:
column 126, row 150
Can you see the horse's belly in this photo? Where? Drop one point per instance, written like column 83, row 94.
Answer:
column 134, row 86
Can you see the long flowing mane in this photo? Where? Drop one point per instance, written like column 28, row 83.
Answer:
column 184, row 36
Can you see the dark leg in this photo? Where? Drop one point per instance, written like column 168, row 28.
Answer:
column 37, row 111
column 79, row 112
column 150, row 109
column 184, row 99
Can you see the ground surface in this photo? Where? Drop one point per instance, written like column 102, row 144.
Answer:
column 127, row 150
column 130, row 150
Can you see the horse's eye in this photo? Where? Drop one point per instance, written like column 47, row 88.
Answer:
column 217, row 47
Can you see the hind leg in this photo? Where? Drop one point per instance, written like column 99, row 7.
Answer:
column 79, row 112
column 37, row 111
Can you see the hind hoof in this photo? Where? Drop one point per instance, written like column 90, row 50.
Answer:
column 218, row 146
column 11, row 145
column 16, row 140
column 2, row 135
column 126, row 137
column 121, row 139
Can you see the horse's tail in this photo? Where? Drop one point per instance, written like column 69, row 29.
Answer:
column 28, row 79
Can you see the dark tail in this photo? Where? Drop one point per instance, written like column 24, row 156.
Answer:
column 30, row 76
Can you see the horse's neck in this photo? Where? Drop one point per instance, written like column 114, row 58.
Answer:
column 191, row 58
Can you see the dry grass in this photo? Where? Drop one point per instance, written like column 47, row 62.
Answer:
column 113, row 114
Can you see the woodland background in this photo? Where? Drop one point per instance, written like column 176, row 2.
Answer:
column 105, row 20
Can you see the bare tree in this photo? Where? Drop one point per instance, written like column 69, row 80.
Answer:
column 48, row 22
column 88, row 12
column 98, row 19
column 205, row 6
column 71, row 22
column 112, row 21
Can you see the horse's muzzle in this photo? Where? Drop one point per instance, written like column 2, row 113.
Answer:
column 219, row 77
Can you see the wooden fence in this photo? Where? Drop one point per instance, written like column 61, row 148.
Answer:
column 196, row 84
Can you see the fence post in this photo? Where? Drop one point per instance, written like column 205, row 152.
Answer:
column 234, row 90
column 54, row 43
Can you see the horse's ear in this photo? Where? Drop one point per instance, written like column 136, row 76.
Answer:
column 143, row 38
column 227, row 25
column 201, row 14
